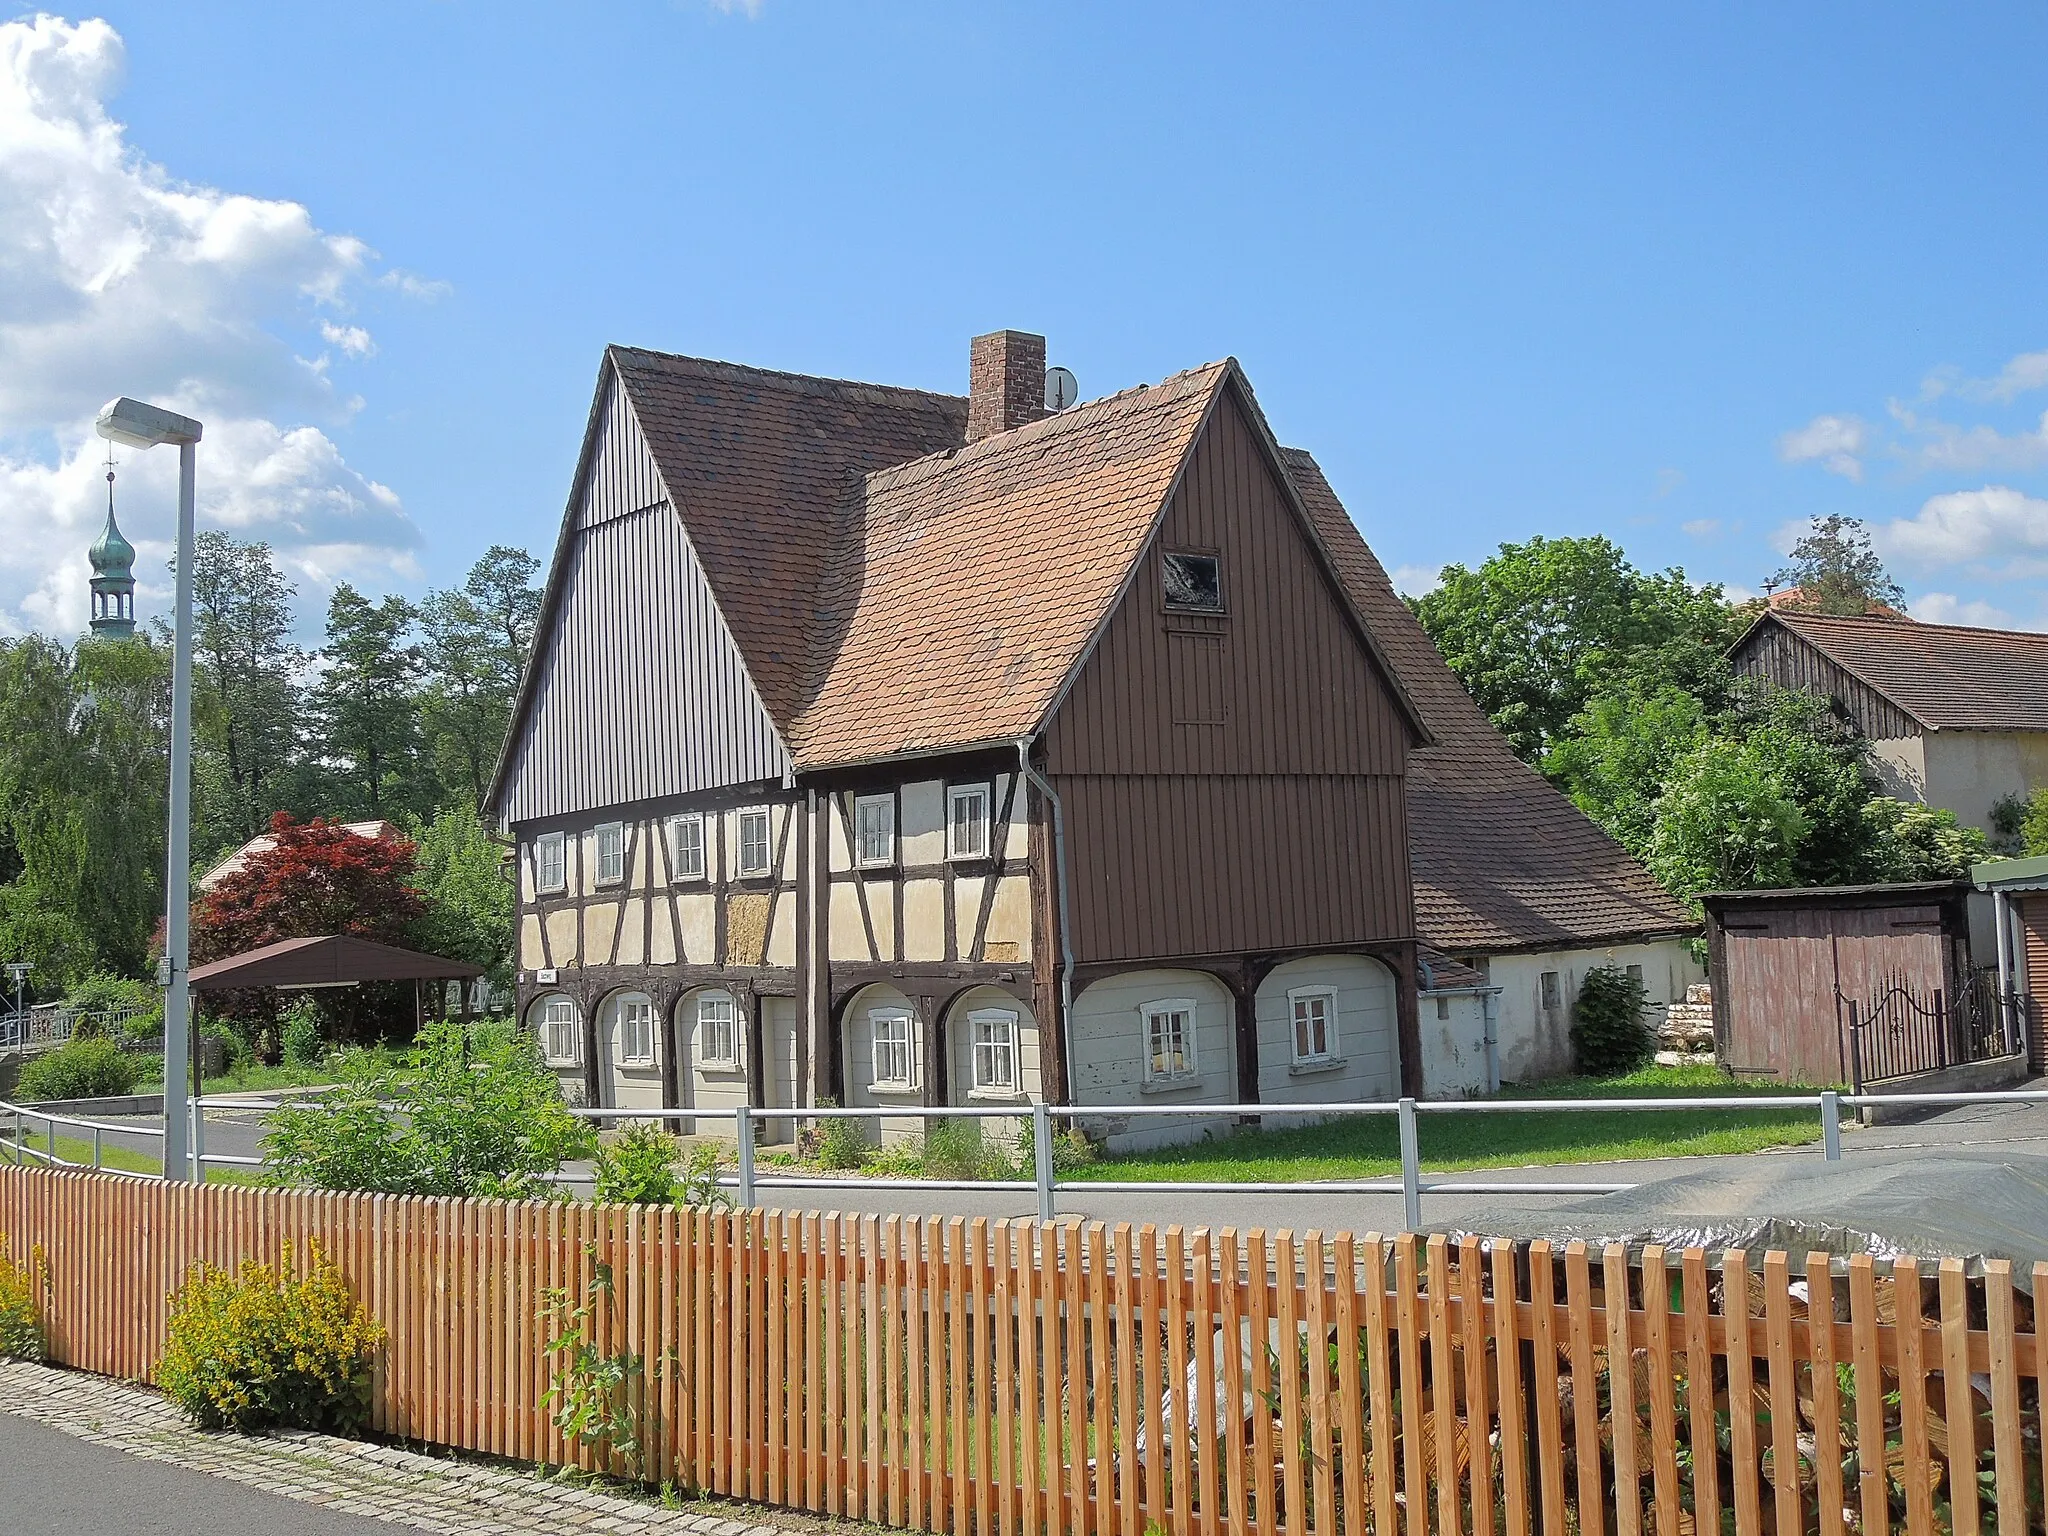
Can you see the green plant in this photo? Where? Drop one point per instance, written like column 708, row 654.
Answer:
column 589, row 1390
column 298, row 1034
column 473, row 1112
column 700, row 1189
column 23, row 1286
column 1071, row 1149
column 955, row 1150
column 837, row 1143
column 268, row 1346
column 637, row 1166
column 142, row 1028
column 1608, row 1032
column 80, row 1069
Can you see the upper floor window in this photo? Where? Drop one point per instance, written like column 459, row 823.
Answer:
column 874, row 830
column 611, row 853
column 1193, row 582
column 558, row 1032
column 754, row 843
column 686, row 846
column 636, row 1031
column 894, row 1060
column 1315, row 1023
column 967, row 821
column 1169, row 1039
column 718, row 1035
column 995, row 1050
column 550, row 862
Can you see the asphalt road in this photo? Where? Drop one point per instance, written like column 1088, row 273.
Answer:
column 55, row 1483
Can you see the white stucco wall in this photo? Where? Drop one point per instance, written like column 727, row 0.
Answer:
column 709, row 1087
column 1453, row 1029
column 1968, row 772
column 1109, row 1053
column 623, row 1086
column 857, row 1035
column 1535, row 1042
column 960, row 1061
column 1367, row 1065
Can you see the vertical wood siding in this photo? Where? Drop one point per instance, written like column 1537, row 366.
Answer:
column 1233, row 782
column 982, row 1376
column 2033, row 909
column 641, row 691
column 1779, row 656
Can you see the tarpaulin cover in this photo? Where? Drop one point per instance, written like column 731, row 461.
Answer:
column 1929, row 1207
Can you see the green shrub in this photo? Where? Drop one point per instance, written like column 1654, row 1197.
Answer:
column 22, row 1288
column 1608, row 1032
column 80, row 1069
column 105, row 992
column 954, row 1149
column 637, row 1166
column 837, row 1143
column 143, row 1028
column 268, row 1347
column 1071, row 1150
column 298, row 1034
column 234, row 1050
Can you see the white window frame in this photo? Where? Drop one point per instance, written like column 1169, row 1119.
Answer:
column 636, row 1010
column 550, row 1021
column 886, row 805
column 710, row 1055
column 680, row 867
column 907, row 1082
column 745, row 870
column 614, row 833
column 1296, row 996
column 556, row 843
column 1166, row 1007
column 1000, row 1048
column 955, row 793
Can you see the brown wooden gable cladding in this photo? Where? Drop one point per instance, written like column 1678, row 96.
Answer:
column 1779, row 653
column 1232, row 782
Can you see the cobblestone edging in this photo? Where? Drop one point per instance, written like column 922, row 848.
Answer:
column 452, row 1498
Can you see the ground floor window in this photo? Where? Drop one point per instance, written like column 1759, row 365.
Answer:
column 894, row 1062
column 1169, row 1039
column 718, row 1042
column 636, row 1031
column 558, row 1032
column 995, row 1050
column 1315, row 1023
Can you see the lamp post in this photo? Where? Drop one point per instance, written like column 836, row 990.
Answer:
column 145, row 426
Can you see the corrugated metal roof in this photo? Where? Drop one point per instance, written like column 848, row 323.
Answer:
column 1946, row 676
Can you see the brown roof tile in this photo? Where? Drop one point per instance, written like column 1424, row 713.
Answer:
column 1502, row 860
column 965, row 586
column 1946, row 676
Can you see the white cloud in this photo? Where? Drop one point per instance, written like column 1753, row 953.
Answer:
column 2027, row 371
column 1416, row 580
column 1701, row 527
column 117, row 278
column 1992, row 526
column 353, row 340
column 1943, row 445
column 1837, row 442
column 413, row 286
column 1947, row 608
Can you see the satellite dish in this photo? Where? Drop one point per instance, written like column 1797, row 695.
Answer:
column 1060, row 389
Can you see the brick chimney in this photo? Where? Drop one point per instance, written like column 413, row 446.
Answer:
column 1005, row 382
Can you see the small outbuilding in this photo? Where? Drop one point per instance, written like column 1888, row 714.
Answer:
column 2019, row 903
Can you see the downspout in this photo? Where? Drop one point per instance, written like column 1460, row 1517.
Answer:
column 1490, row 1010
column 1059, row 863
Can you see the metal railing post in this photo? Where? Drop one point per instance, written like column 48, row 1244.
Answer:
column 1411, row 1168
column 1041, row 1157
column 97, row 1133
column 1831, row 1124
column 198, row 1143
column 744, row 1129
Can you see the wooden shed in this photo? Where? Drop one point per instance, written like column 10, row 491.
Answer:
column 2019, row 892
column 1842, row 984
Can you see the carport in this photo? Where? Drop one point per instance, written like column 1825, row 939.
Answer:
column 336, row 960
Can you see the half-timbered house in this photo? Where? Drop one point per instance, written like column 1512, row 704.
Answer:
column 910, row 749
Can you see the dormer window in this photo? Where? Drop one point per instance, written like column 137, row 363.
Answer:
column 1194, row 583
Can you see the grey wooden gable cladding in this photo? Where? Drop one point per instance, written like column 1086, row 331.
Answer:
column 640, row 691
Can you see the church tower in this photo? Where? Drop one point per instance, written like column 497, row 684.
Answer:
column 113, row 577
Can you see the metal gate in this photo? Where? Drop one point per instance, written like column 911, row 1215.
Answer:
column 1901, row 1032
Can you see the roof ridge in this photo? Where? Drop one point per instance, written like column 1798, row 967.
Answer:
column 714, row 367
column 911, row 471
column 1919, row 626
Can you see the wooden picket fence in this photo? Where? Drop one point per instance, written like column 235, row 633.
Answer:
column 1006, row 1377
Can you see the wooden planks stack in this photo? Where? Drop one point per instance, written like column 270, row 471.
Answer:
column 1009, row 1377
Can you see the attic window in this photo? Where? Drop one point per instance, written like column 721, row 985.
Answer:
column 1193, row 583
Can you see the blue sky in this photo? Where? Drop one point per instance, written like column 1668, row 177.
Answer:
column 1681, row 278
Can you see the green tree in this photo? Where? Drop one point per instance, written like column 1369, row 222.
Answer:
column 459, row 869
column 1619, row 754
column 1835, row 570
column 1725, row 823
column 1541, row 627
column 477, row 640
column 1920, row 842
column 247, row 714
column 365, row 706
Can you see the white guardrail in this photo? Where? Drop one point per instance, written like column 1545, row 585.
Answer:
column 1411, row 1186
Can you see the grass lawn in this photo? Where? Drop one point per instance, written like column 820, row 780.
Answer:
column 1369, row 1146
column 77, row 1150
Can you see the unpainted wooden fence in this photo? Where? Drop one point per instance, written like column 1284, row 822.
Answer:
column 1007, row 1377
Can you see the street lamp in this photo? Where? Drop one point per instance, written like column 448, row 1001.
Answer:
column 145, row 426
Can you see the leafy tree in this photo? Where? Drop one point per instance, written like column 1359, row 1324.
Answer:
column 1920, row 842
column 1835, row 570
column 1541, row 627
column 459, row 869
column 476, row 1113
column 477, row 640
column 1725, row 823
column 246, row 682
column 1816, row 760
column 1618, row 757
column 364, row 706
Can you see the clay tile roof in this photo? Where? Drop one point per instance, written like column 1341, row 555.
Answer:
column 1502, row 859
column 964, row 587
column 1946, row 676
column 759, row 463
